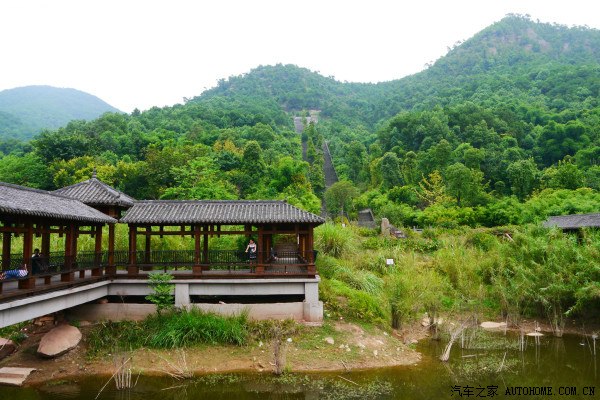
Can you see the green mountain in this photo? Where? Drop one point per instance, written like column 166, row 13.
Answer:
column 515, row 57
column 25, row 111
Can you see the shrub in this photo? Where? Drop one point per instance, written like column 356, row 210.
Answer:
column 161, row 291
column 333, row 240
column 188, row 328
column 352, row 303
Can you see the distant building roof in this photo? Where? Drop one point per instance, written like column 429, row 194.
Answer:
column 96, row 192
column 575, row 221
column 225, row 212
column 19, row 200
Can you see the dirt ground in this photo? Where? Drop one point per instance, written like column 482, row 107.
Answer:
column 342, row 346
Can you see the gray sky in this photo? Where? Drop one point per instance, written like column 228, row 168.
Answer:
column 144, row 53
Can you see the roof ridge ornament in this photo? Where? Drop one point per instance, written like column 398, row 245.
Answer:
column 94, row 173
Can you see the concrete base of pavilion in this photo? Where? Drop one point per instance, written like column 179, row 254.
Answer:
column 298, row 311
column 82, row 302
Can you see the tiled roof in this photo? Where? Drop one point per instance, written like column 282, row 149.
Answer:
column 19, row 200
column 574, row 221
column 217, row 212
column 96, row 192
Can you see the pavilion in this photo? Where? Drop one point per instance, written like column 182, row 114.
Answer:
column 202, row 264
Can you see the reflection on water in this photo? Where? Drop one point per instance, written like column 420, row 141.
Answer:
column 485, row 368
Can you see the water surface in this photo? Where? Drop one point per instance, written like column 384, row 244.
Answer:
column 487, row 369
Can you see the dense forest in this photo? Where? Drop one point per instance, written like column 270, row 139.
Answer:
column 504, row 129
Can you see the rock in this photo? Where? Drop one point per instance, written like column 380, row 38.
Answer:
column 375, row 352
column 329, row 340
column 59, row 341
column 14, row 376
column 535, row 334
column 7, row 347
column 492, row 325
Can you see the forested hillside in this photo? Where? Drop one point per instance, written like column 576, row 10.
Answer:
column 504, row 129
column 25, row 111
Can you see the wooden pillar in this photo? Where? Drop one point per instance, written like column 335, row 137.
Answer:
column 45, row 250
column 70, row 253
column 97, row 270
column 260, row 267
column 205, row 260
column 133, row 269
column 111, row 269
column 147, row 245
column 147, row 249
column 29, row 282
column 268, row 244
column 197, row 268
column 6, row 239
column 312, row 269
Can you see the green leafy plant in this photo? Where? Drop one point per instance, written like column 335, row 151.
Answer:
column 162, row 291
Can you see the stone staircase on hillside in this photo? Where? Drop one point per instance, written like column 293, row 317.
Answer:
column 331, row 176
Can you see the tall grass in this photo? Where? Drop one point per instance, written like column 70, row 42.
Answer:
column 334, row 240
column 170, row 330
column 188, row 328
column 531, row 271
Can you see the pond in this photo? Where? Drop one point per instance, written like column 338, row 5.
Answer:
column 488, row 365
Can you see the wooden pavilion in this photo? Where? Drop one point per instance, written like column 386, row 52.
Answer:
column 106, row 199
column 202, row 264
column 37, row 213
column 261, row 220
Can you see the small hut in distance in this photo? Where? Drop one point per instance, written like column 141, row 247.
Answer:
column 573, row 222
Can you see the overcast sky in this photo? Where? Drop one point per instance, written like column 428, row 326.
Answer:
column 144, row 53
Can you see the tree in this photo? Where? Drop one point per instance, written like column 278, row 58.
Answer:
column 339, row 197
column 252, row 162
column 390, row 170
column 409, row 168
column 565, row 175
column 200, row 179
column 432, row 189
column 356, row 158
column 28, row 170
column 465, row 184
column 523, row 176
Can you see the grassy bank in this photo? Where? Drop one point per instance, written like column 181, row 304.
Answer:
column 512, row 272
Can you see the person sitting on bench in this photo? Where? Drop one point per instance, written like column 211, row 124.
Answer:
column 38, row 263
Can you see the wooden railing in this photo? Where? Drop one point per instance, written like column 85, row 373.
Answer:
column 213, row 260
